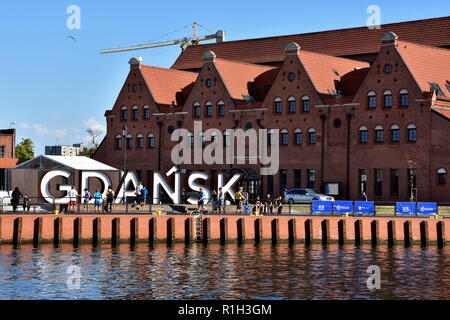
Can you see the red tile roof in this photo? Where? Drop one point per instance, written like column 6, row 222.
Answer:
column 165, row 83
column 237, row 75
column 427, row 64
column 321, row 69
column 443, row 112
column 9, row 163
column 343, row 42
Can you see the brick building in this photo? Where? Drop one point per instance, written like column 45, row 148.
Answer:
column 364, row 110
column 7, row 157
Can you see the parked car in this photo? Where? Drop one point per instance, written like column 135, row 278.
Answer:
column 301, row 195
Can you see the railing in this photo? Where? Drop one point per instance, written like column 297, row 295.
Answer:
column 133, row 205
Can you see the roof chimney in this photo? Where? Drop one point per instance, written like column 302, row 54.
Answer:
column 208, row 56
column 388, row 38
column 135, row 63
column 292, row 48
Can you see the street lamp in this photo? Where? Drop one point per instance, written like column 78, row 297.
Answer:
column 124, row 132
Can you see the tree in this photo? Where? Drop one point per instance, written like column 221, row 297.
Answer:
column 25, row 149
column 94, row 143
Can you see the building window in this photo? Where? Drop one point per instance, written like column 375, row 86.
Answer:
column 221, row 109
column 371, row 100
column 278, row 105
column 412, row 133
column 208, row 83
column 362, row 181
column 378, row 187
column 297, row 178
column 191, row 139
column 312, row 136
column 442, row 176
column 387, row 99
column 291, row 76
column 270, row 137
column 197, row 110
column 146, row 112
column 284, row 137
column 151, row 140
column 202, row 137
column 311, row 173
column 135, row 113
column 140, row 141
column 292, row 104
column 124, row 113
column 118, row 142
column 135, row 88
column 395, row 133
column 2, row 151
column 394, row 182
column 129, row 142
column 306, row 105
column 412, row 183
column 436, row 88
column 283, row 180
column 209, row 109
column 298, row 136
column 379, row 134
column 387, row 68
column 404, row 98
column 363, row 134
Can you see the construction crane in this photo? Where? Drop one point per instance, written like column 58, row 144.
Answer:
column 184, row 42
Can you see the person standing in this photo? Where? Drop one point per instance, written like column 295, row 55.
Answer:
column 201, row 200
column 86, row 199
column 221, row 201
column 144, row 192
column 268, row 204
column 109, row 199
column 97, row 201
column 26, row 203
column 239, row 201
column 257, row 207
column 15, row 198
column 363, row 196
column 214, row 201
column 73, row 194
column 278, row 204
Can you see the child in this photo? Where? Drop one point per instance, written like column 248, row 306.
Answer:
column 26, row 202
column 97, row 201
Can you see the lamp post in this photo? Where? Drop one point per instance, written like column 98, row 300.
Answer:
column 125, row 145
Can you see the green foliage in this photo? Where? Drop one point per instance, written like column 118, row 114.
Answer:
column 25, row 149
column 88, row 152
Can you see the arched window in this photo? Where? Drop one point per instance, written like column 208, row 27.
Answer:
column 135, row 113
column 442, row 176
column 387, row 99
column 371, row 100
column 140, row 141
column 221, row 108
column 363, row 134
column 202, row 137
column 292, row 104
column 118, row 141
column 298, row 136
column 412, row 133
column 379, row 134
column 278, row 105
column 306, row 105
column 191, row 139
column 214, row 136
column 404, row 98
column 284, row 137
column 312, row 136
column 209, row 109
column 151, row 140
column 129, row 141
column 124, row 113
column 395, row 133
column 197, row 110
column 146, row 112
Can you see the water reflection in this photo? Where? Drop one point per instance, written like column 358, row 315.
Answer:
column 224, row 272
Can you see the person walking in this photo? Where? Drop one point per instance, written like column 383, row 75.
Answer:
column 201, row 200
column 144, row 192
column 214, row 201
column 97, row 201
column 15, row 198
column 73, row 194
column 239, row 201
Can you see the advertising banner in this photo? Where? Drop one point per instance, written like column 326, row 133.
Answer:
column 343, row 206
column 427, row 208
column 405, row 208
column 364, row 207
column 321, row 206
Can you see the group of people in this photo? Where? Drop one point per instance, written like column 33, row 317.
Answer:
column 266, row 206
column 15, row 200
column 141, row 195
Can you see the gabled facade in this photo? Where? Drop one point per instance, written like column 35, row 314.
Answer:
column 382, row 128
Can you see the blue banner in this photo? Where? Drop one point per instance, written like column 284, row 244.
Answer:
column 364, row 207
column 427, row 208
column 321, row 206
column 343, row 206
column 405, row 208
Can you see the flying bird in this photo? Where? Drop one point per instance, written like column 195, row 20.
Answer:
column 71, row 37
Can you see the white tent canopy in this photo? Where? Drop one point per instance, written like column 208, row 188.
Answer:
column 74, row 163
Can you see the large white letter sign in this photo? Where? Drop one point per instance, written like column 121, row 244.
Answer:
column 229, row 186
column 130, row 177
column 85, row 175
column 45, row 185
column 196, row 187
column 159, row 180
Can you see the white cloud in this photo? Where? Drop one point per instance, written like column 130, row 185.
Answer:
column 91, row 123
column 24, row 125
column 56, row 133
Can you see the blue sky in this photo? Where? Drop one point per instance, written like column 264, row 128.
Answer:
column 55, row 88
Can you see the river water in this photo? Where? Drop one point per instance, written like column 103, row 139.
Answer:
column 215, row 271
